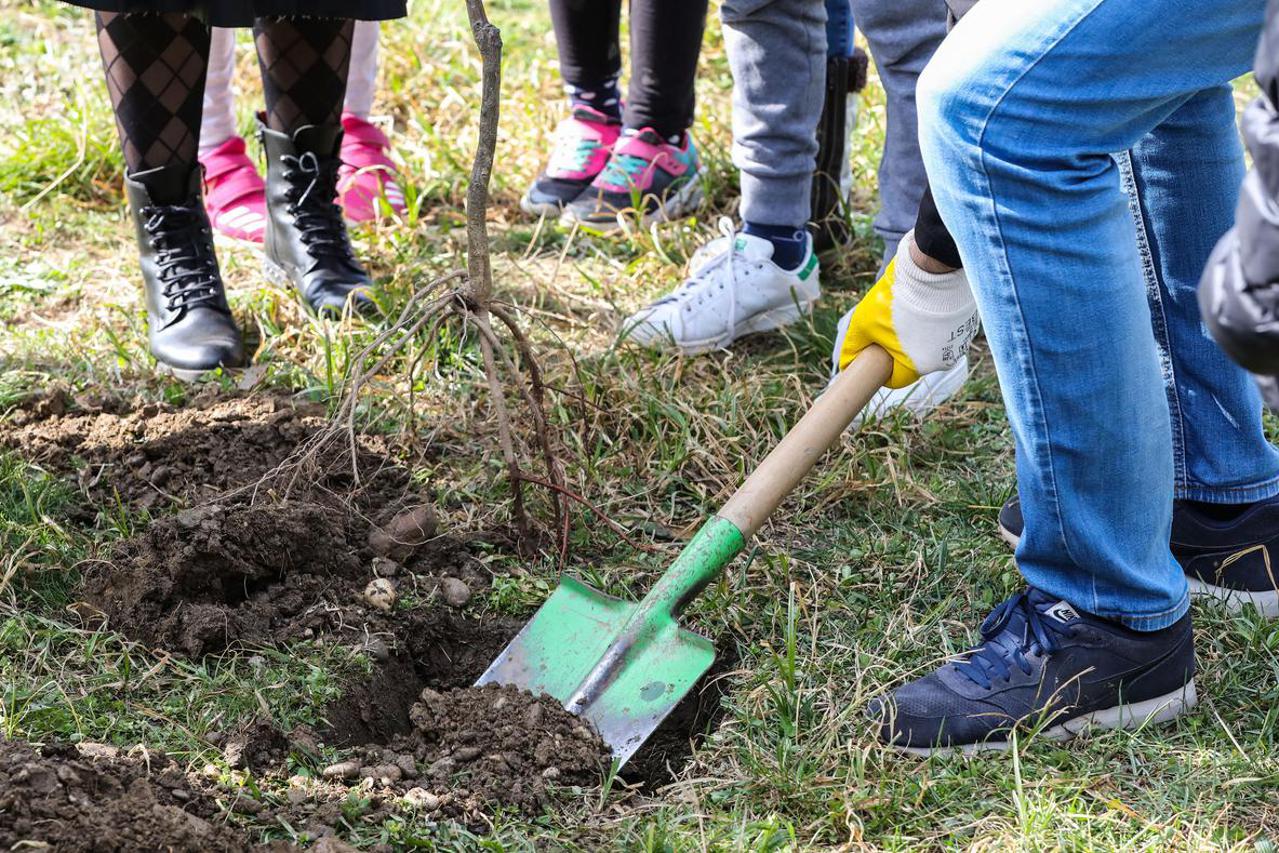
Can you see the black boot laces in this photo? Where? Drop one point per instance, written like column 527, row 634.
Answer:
column 314, row 209
column 1012, row 631
column 185, row 263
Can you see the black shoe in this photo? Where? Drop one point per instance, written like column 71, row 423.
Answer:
column 1011, row 523
column 306, row 240
column 1045, row 667
column 1224, row 559
column 828, row 199
column 191, row 329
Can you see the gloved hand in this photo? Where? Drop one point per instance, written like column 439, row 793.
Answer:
column 924, row 320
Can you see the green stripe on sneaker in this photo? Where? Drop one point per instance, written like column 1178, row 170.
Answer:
column 808, row 267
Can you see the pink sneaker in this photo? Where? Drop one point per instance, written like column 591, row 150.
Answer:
column 234, row 193
column 582, row 145
column 646, row 174
column 367, row 174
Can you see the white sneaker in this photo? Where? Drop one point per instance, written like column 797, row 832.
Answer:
column 918, row 398
column 734, row 289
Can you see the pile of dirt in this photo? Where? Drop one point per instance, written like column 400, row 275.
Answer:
column 462, row 755
column 473, row 749
column 154, row 454
column 58, row 798
column 489, row 744
column 362, row 564
column 244, row 572
column 434, row 649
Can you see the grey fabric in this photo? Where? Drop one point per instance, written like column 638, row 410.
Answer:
column 1239, row 291
column 902, row 35
column 777, row 52
column 959, row 8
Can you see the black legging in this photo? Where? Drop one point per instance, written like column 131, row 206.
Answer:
column 666, row 38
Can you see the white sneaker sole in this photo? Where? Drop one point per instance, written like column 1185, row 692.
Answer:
column 1126, row 717
column 683, row 202
column 1235, row 600
column 919, row 399
column 550, row 210
column 764, row 321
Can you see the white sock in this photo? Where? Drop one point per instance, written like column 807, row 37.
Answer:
column 361, row 81
column 218, row 123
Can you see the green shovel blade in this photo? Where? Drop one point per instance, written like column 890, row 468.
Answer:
column 566, row 638
column 623, row 666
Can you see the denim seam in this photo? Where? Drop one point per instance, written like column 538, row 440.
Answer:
column 1159, row 324
column 1204, row 488
column 1007, row 268
column 1152, row 621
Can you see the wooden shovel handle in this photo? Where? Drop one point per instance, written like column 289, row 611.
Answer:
column 796, row 454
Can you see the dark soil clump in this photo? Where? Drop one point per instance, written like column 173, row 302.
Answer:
column 439, row 650
column 501, row 744
column 211, row 577
column 72, row 803
column 154, row 454
column 473, row 749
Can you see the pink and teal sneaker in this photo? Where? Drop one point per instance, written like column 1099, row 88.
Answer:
column 234, row 193
column 366, row 179
column 645, row 174
column 582, row 145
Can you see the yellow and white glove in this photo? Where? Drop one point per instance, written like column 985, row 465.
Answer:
column 924, row 320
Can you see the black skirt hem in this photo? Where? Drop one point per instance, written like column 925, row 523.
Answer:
column 240, row 13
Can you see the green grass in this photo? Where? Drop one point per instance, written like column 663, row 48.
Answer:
column 883, row 561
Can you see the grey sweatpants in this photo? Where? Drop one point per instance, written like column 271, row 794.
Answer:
column 902, row 35
column 777, row 51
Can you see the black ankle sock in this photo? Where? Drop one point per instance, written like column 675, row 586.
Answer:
column 789, row 243
column 605, row 98
column 1218, row 512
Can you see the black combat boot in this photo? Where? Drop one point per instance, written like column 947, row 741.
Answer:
column 306, row 240
column 191, row 327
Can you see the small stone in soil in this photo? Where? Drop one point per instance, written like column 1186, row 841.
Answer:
column 380, row 594
column 455, row 592
column 420, row 798
column 401, row 537
column 341, row 770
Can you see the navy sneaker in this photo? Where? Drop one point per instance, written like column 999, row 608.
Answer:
column 1046, row 667
column 1227, row 560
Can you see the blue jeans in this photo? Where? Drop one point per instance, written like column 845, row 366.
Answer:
column 1117, row 399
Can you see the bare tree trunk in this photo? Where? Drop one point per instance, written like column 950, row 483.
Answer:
column 489, row 40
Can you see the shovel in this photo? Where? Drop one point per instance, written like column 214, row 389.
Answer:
column 626, row 665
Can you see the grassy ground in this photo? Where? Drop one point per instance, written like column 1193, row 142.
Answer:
column 883, row 561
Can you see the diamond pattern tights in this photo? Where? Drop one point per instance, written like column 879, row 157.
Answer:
column 155, row 67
